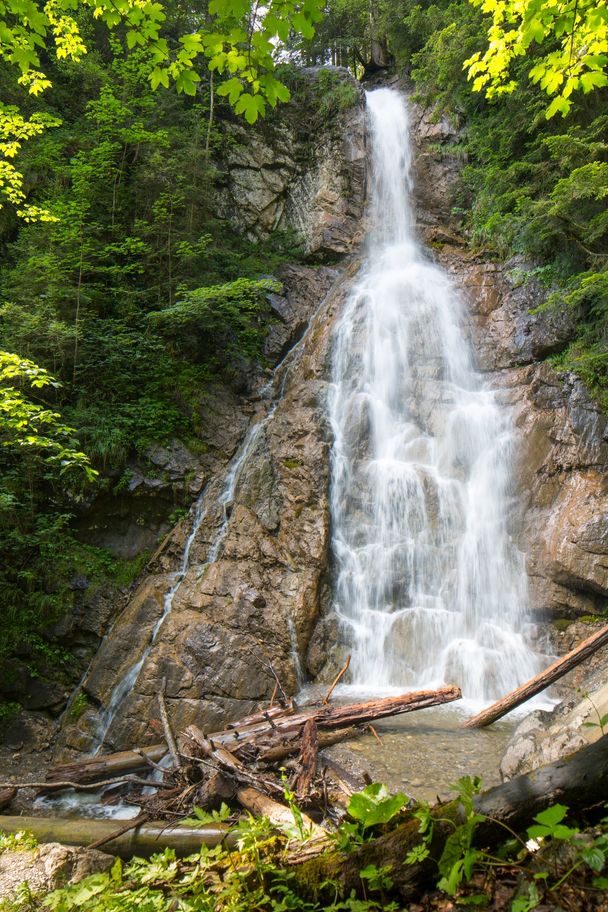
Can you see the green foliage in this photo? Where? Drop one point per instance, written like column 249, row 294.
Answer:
column 22, row 841
column 201, row 816
column 236, row 37
column 459, row 857
column 252, row 878
column 79, row 706
column 129, row 177
column 374, row 805
column 32, row 427
column 225, row 319
column 369, row 808
column 334, row 94
column 572, row 42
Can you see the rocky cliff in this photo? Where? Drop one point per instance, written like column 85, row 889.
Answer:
column 255, row 591
column 562, row 519
column 258, row 561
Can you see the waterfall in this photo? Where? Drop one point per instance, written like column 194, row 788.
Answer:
column 429, row 586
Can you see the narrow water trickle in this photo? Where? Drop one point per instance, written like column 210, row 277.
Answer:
column 429, row 585
column 272, row 392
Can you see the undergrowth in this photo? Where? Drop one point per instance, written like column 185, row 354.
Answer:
column 553, row 864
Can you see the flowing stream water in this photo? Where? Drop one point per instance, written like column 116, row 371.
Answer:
column 429, row 585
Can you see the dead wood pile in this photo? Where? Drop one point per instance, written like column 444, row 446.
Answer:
column 252, row 763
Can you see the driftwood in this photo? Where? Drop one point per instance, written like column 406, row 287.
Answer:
column 142, row 840
column 579, row 782
column 96, row 768
column 279, row 727
column 242, row 759
column 262, row 806
column 360, row 713
column 541, row 681
column 6, row 796
column 308, row 759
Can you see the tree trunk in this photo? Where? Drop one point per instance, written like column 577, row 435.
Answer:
column 578, row 781
column 95, row 768
column 142, row 840
column 279, row 815
column 541, row 681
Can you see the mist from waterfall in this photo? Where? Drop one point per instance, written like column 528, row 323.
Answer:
column 429, row 585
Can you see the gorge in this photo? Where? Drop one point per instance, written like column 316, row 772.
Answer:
column 466, row 475
column 303, row 455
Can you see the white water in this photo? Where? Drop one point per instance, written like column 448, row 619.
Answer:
column 429, row 585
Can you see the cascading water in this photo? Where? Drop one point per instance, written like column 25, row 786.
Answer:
column 429, row 585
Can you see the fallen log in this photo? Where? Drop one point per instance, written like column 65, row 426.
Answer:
column 262, row 716
column 578, row 781
column 332, row 717
column 262, row 806
column 103, row 767
column 94, row 768
column 6, row 796
column 555, row 671
column 308, row 758
column 144, row 840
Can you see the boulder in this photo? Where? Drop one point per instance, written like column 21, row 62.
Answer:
column 544, row 737
column 47, row 867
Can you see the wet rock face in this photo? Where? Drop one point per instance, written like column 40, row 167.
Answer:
column 253, row 601
column 296, row 171
column 563, row 436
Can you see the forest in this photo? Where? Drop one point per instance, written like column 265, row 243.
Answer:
column 126, row 294
column 100, row 294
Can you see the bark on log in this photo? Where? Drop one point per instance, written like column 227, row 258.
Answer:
column 291, row 743
column 95, row 768
column 308, row 758
column 144, row 840
column 103, row 767
column 262, row 716
column 578, row 781
column 541, row 681
column 6, row 796
column 359, row 713
column 262, row 806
